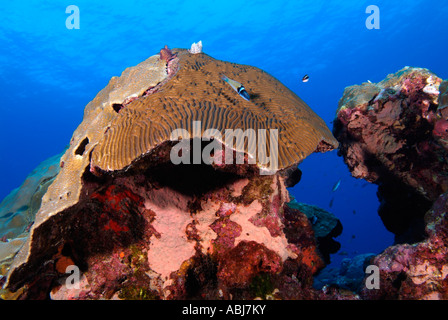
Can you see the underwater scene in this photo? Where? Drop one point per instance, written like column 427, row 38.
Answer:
column 224, row 150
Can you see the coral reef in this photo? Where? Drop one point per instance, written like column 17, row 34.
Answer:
column 137, row 236
column 65, row 190
column 417, row 271
column 393, row 134
column 19, row 208
column 395, row 126
column 349, row 276
column 325, row 226
column 138, row 226
column 196, row 102
column 443, row 100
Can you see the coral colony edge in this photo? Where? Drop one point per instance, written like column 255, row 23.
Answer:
column 174, row 186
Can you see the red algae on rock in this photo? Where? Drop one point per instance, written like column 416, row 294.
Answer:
column 394, row 134
column 417, row 271
column 395, row 126
column 240, row 264
column 145, row 238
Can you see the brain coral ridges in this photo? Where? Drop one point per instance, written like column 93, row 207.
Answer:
column 197, row 94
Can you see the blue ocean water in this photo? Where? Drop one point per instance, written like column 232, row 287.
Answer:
column 49, row 73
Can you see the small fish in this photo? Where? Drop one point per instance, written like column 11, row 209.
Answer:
column 369, row 81
column 238, row 87
column 331, row 203
column 354, row 211
column 336, row 185
column 313, row 220
column 306, row 78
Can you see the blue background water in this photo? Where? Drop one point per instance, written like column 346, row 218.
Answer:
column 49, row 73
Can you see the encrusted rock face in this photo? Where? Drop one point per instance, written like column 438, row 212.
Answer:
column 418, row 271
column 394, row 127
column 325, row 226
column 394, row 133
column 443, row 99
column 138, row 226
column 151, row 235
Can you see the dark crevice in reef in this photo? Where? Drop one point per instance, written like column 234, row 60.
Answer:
column 117, row 107
column 402, row 211
column 191, row 180
column 82, row 147
column 201, row 276
column 188, row 178
column 402, row 208
column 327, row 245
column 291, row 175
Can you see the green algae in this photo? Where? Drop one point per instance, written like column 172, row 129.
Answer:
column 137, row 293
column 261, row 285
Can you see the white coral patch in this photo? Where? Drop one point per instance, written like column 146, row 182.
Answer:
column 196, row 48
column 432, row 86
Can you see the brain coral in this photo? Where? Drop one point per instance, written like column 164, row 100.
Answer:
column 136, row 112
column 197, row 93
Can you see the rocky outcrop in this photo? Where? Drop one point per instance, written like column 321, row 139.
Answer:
column 392, row 133
column 416, row 271
column 325, row 225
column 135, row 224
column 395, row 133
